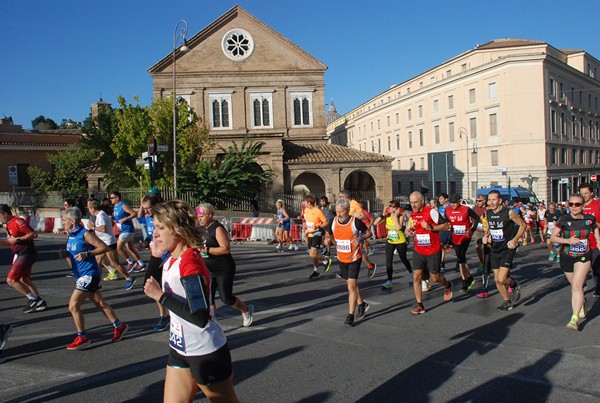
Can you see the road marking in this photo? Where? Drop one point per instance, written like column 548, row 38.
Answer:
column 17, row 377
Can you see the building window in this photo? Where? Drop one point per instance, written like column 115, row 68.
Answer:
column 398, row 142
column 553, row 121
column 448, row 73
column 220, row 111
column 451, row 131
column 422, row 163
column 409, row 114
column 397, row 118
column 492, row 90
column 493, row 124
column 573, row 127
column 389, row 143
column 561, row 88
column 494, row 155
column 563, row 124
column 436, row 106
column 409, row 139
column 388, row 121
column 436, row 133
column 302, row 109
column 473, row 126
column 574, row 157
column 472, row 98
column 420, row 111
column 23, row 179
column 379, row 146
column 262, row 108
column 563, row 156
column 372, row 146
column 463, row 67
column 421, row 140
column 378, row 125
column 237, row 44
column 552, row 89
column 581, row 128
column 450, row 101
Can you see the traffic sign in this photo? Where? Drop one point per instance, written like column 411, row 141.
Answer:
column 13, row 175
column 163, row 148
column 140, row 162
column 563, row 180
column 593, row 178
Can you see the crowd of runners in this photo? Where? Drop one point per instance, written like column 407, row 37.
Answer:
column 191, row 262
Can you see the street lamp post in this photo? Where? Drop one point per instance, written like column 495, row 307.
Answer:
column 183, row 49
column 463, row 132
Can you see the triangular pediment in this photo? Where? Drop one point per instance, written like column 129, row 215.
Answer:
column 272, row 51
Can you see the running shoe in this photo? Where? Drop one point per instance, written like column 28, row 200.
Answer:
column 506, row 306
column 79, row 343
column 573, row 323
column 464, row 286
column 597, row 291
column 524, row 242
column 291, row 246
column 112, row 275
column 395, row 252
column 417, row 310
column 163, row 324
column 557, row 258
column 370, row 251
column 315, row 275
column 388, row 284
column 551, row 256
column 371, row 269
column 516, row 292
column 448, row 292
column 139, row 268
column 349, row 320
column 483, row 294
column 5, row 331
column 120, row 331
column 327, row 264
column 469, row 283
column 40, row 305
column 131, row 266
column 129, row 283
column 248, row 316
column 278, row 246
column 425, row 285
column 296, row 247
column 532, row 240
column 581, row 311
column 362, row 310
column 30, row 306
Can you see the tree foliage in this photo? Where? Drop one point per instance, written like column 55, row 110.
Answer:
column 234, row 174
column 68, row 174
column 43, row 123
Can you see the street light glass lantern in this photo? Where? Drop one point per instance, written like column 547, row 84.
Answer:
column 184, row 48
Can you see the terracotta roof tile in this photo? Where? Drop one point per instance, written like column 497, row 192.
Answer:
column 509, row 42
column 330, row 153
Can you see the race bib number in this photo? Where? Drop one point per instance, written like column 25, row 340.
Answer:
column 310, row 226
column 460, row 229
column 343, row 245
column 119, row 226
column 423, row 240
column 176, row 338
column 551, row 225
column 580, row 247
column 83, row 283
column 479, row 226
column 497, row 235
column 393, row 235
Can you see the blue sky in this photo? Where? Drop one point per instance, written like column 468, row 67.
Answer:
column 60, row 56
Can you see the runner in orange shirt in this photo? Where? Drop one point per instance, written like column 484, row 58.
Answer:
column 315, row 222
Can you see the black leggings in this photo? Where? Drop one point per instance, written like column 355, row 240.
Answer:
column 389, row 257
column 223, row 281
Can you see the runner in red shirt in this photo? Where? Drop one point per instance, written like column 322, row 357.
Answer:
column 463, row 223
column 592, row 206
column 20, row 236
column 426, row 226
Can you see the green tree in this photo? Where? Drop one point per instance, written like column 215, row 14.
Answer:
column 99, row 133
column 43, row 123
column 68, row 175
column 235, row 174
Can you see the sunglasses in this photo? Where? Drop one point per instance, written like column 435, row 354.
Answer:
column 575, row 204
column 112, row 197
column 479, row 201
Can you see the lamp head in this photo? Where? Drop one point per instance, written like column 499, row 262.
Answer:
column 184, row 47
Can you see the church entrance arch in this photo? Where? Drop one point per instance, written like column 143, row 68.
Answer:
column 359, row 182
column 308, row 182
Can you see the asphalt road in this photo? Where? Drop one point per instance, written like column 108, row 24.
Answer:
column 298, row 350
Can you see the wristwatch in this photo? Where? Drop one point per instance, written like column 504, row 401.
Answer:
column 18, row 240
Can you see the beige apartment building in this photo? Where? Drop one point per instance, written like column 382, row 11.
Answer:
column 509, row 109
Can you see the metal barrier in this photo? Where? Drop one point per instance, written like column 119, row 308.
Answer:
column 252, row 229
